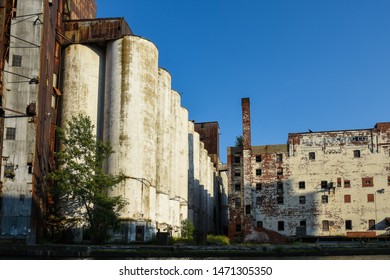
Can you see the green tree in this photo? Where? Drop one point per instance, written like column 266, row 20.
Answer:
column 187, row 229
column 81, row 185
column 239, row 141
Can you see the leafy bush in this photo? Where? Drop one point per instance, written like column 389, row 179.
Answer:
column 218, row 239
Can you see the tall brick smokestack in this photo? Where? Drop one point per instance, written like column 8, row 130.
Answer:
column 247, row 217
column 246, row 123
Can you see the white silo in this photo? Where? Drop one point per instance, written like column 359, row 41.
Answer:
column 164, row 149
column 131, row 127
column 83, row 83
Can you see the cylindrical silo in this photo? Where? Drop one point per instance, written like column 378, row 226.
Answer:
column 164, row 148
column 184, row 165
column 83, row 83
column 191, row 173
column 131, row 127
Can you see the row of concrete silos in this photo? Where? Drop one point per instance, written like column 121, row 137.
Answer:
column 131, row 103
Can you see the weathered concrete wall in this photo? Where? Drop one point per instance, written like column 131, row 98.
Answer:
column 18, row 151
column 131, row 123
column 83, row 83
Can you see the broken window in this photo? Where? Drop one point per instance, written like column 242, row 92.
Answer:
column 237, row 159
column 302, row 185
column 312, row 155
column 237, row 187
column 258, row 186
column 281, row 225
column 280, row 199
column 10, row 133
column 302, row 200
column 371, row 225
column 238, row 227
column 279, row 157
column 259, row 224
column 347, row 183
column 258, row 172
column 356, row 153
column 339, row 182
column 258, row 158
column 237, row 172
column 259, row 200
column 370, row 197
column 325, row 225
column 324, row 199
column 348, row 225
column 16, row 60
column 368, row 182
column 324, row 184
column 279, row 171
column 302, row 223
column 347, row 198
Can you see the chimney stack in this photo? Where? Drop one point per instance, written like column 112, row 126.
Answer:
column 246, row 123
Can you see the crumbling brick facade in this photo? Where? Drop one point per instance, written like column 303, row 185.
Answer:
column 329, row 183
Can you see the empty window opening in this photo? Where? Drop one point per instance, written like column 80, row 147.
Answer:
column 237, row 187
column 371, row 225
column 279, row 188
column 237, row 159
column 279, row 171
column 325, row 225
column 259, row 200
column 237, row 172
column 348, row 225
column 312, row 155
column 258, row 158
column 356, row 153
column 302, row 185
column 302, row 200
column 247, row 209
column 258, row 172
column 10, row 133
column 258, row 186
column 29, row 168
column 324, row 184
column 238, row 227
column 302, row 223
column 324, row 199
column 347, row 183
column 280, row 199
column 259, row 224
column 281, row 226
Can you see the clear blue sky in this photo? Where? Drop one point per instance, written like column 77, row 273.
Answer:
column 305, row 64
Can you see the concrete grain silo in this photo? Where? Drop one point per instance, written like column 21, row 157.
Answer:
column 164, row 150
column 83, row 83
column 131, row 127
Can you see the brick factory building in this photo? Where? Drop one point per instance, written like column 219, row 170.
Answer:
column 328, row 183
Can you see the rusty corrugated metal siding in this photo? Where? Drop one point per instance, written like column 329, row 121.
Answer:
column 96, row 30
